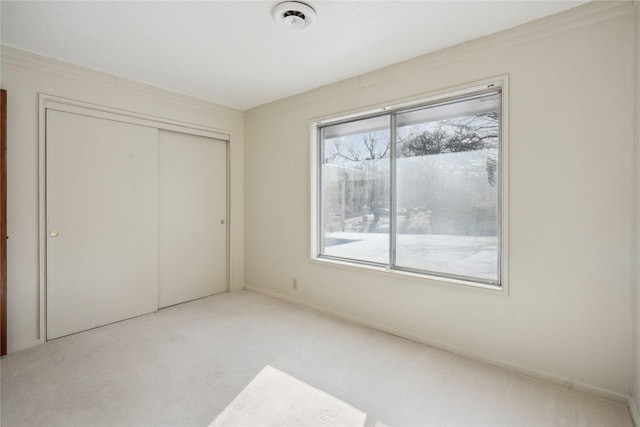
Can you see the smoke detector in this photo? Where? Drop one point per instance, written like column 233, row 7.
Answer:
column 294, row 15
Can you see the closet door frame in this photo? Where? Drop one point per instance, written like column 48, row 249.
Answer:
column 52, row 102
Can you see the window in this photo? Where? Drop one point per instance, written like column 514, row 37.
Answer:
column 415, row 188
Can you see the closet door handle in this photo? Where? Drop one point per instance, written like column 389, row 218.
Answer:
column 53, row 233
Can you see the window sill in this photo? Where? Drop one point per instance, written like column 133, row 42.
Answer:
column 422, row 278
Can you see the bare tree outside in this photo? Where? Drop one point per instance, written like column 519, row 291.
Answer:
column 445, row 186
column 373, row 147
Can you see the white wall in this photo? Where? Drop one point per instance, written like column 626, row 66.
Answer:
column 24, row 76
column 568, row 315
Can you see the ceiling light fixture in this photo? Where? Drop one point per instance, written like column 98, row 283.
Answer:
column 294, row 15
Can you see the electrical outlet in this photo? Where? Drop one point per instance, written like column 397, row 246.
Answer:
column 295, row 284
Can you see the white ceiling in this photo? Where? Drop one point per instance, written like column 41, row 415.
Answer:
column 233, row 53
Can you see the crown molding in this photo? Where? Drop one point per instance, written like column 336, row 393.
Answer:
column 34, row 61
column 565, row 21
column 22, row 58
column 568, row 20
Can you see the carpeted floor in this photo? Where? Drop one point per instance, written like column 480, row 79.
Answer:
column 246, row 359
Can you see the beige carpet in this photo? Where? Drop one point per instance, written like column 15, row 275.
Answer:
column 244, row 359
column 277, row 399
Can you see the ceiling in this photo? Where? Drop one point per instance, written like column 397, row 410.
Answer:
column 234, row 54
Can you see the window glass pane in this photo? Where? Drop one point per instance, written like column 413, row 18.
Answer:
column 447, row 188
column 354, row 199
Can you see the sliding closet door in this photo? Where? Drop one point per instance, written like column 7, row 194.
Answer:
column 192, row 217
column 102, row 221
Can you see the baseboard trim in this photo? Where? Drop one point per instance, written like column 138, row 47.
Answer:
column 34, row 61
column 565, row 382
column 633, row 410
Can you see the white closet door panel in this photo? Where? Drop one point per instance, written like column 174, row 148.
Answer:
column 192, row 204
column 102, row 199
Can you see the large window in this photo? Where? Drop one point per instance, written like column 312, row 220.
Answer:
column 415, row 188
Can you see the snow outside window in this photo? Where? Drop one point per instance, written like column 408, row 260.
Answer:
column 416, row 189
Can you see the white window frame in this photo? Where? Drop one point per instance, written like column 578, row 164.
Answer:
column 499, row 82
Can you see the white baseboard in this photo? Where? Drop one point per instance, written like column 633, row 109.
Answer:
column 633, row 409
column 565, row 382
